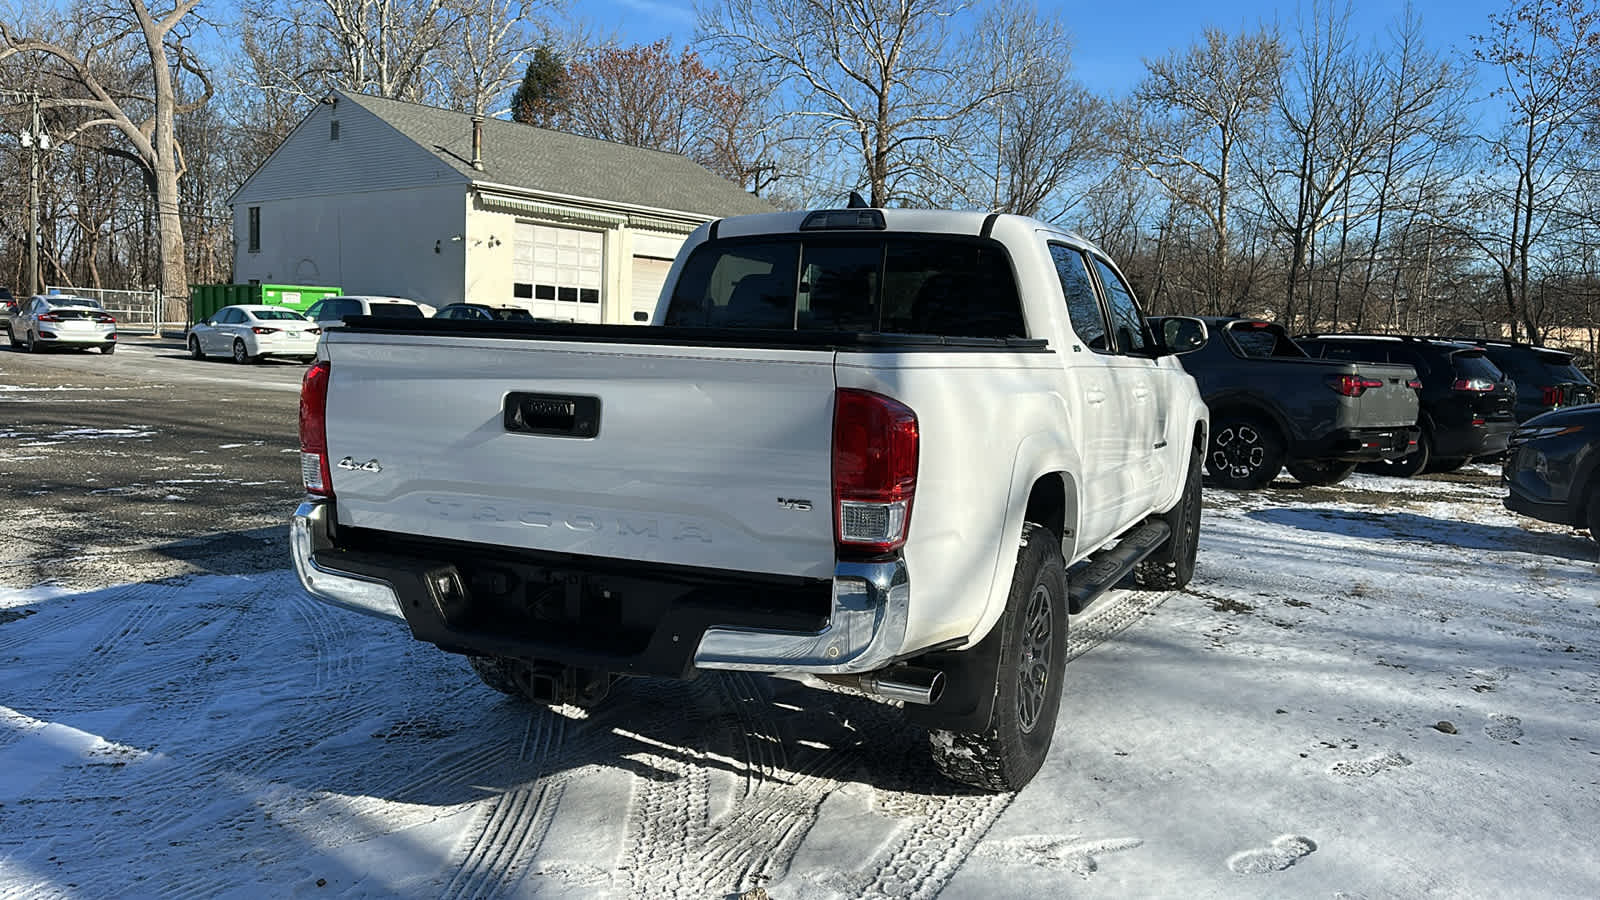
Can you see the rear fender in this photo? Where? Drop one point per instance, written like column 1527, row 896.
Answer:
column 1041, row 455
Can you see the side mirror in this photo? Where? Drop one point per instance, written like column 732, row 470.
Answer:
column 1183, row 334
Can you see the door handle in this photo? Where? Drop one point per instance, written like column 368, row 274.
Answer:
column 1095, row 396
column 1141, row 394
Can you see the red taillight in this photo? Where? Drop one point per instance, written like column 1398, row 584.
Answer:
column 1475, row 385
column 106, row 320
column 1415, row 384
column 1353, row 385
column 313, row 331
column 1550, row 396
column 49, row 317
column 314, row 472
column 259, row 330
column 874, row 471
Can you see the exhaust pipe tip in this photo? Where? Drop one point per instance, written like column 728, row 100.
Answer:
column 909, row 684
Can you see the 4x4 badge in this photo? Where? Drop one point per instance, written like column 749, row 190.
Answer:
column 349, row 464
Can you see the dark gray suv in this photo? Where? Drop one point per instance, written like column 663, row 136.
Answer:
column 1468, row 404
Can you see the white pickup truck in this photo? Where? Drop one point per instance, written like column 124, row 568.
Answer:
column 872, row 446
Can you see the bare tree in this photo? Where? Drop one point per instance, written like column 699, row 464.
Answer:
column 487, row 53
column 1018, row 152
column 1541, row 54
column 1189, row 119
column 884, row 78
column 143, row 117
column 464, row 54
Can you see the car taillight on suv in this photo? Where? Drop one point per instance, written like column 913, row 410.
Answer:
column 875, row 444
column 1473, row 385
column 314, row 470
column 1353, row 385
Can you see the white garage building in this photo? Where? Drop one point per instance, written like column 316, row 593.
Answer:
column 384, row 197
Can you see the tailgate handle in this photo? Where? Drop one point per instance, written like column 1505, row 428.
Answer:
column 556, row 415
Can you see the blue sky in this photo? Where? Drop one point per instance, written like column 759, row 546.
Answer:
column 1110, row 38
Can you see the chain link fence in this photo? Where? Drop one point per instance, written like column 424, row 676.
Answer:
column 136, row 311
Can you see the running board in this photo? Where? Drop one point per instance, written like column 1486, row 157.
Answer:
column 1104, row 569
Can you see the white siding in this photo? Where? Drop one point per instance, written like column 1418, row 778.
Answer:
column 369, row 155
column 378, row 242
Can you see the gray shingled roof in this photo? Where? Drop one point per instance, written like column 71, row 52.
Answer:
column 539, row 159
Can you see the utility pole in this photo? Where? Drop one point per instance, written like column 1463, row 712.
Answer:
column 35, row 138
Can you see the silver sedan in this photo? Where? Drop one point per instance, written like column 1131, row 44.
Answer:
column 248, row 333
column 58, row 320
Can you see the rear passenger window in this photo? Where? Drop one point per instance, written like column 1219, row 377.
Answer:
column 1083, row 306
column 857, row 283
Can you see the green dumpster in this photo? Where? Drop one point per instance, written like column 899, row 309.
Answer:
column 206, row 299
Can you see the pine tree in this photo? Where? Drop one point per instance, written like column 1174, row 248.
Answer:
column 542, row 95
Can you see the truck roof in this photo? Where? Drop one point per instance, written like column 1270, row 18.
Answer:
column 926, row 221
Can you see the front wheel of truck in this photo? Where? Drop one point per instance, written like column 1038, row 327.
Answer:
column 1008, row 752
column 1171, row 566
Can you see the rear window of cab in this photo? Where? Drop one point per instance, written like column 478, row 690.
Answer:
column 895, row 284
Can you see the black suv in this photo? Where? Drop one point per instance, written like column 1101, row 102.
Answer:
column 1468, row 404
column 1546, row 378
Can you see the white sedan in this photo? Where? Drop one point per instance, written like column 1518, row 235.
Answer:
column 58, row 320
column 248, row 333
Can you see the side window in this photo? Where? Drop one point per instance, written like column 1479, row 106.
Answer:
column 315, row 309
column 1126, row 322
column 1082, row 304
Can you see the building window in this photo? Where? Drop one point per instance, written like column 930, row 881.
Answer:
column 333, row 130
column 254, row 243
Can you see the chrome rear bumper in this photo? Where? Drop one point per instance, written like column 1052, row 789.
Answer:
column 865, row 632
column 308, row 532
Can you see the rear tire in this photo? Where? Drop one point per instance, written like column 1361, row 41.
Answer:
column 240, row 354
column 33, row 344
column 1008, row 752
column 1319, row 471
column 1246, row 453
column 1452, row 464
column 1171, row 566
column 1406, row 466
column 1594, row 513
column 108, row 349
column 194, row 348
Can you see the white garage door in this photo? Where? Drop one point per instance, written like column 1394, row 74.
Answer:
column 558, row 271
column 649, row 274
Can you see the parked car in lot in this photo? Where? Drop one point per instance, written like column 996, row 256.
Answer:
column 1273, row 406
column 61, row 320
column 249, row 333
column 330, row 312
column 1546, row 378
column 481, row 312
column 1552, row 468
column 1467, row 402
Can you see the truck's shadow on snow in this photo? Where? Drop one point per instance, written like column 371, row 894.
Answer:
column 1412, row 527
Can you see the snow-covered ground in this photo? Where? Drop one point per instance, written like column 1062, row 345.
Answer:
column 1383, row 689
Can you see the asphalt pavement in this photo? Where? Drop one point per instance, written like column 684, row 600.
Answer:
column 144, row 464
